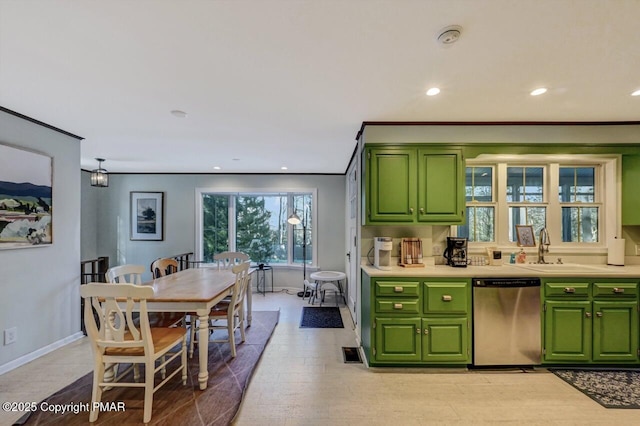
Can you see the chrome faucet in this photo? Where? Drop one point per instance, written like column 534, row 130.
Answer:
column 543, row 246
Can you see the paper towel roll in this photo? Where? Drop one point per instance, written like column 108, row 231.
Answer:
column 616, row 252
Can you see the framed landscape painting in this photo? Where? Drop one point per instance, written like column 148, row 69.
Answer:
column 147, row 216
column 26, row 200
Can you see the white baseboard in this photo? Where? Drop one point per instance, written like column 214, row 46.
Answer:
column 11, row 365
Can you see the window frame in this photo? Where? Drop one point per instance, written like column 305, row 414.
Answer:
column 198, row 250
column 607, row 188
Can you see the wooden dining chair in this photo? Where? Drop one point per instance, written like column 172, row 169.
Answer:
column 229, row 315
column 163, row 266
column 229, row 259
column 117, row 339
column 130, row 274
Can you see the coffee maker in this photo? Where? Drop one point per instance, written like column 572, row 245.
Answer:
column 456, row 252
column 382, row 252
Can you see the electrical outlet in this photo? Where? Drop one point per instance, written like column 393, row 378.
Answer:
column 10, row 335
column 637, row 249
column 436, row 250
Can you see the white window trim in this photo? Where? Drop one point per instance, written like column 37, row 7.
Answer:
column 608, row 198
column 235, row 191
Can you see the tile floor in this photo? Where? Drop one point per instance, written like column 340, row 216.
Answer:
column 302, row 380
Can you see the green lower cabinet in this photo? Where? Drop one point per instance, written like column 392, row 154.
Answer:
column 445, row 340
column 567, row 332
column 615, row 331
column 397, row 340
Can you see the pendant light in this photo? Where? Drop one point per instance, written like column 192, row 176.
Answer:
column 99, row 176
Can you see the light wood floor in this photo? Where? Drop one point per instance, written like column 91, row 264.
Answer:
column 302, row 380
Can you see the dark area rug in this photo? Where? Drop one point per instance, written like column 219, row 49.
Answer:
column 611, row 389
column 174, row 403
column 321, row 317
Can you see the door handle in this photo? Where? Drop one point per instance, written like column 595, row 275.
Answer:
column 617, row 290
column 397, row 306
column 587, row 314
column 599, row 314
column 569, row 290
column 446, row 298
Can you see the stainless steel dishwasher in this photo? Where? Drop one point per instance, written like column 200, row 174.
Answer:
column 506, row 322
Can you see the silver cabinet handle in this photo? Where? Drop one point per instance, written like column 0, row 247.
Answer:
column 599, row 314
column 417, row 331
column 426, row 331
column 569, row 290
column 397, row 306
column 446, row 298
column 410, row 209
column 587, row 314
column 398, row 289
column 421, row 210
column 617, row 290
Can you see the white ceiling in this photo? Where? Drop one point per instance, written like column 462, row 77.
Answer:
column 288, row 83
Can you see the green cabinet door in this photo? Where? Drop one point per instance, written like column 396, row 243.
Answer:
column 615, row 331
column 440, row 186
column 630, row 198
column 397, row 340
column 392, row 185
column 445, row 340
column 567, row 331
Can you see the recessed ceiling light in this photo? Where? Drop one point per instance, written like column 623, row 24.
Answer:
column 216, row 167
column 235, row 159
column 178, row 113
column 284, row 168
column 433, row 91
column 636, row 93
column 538, row 91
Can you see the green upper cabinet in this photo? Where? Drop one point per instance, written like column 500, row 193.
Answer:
column 440, row 186
column 630, row 197
column 392, row 185
column 415, row 184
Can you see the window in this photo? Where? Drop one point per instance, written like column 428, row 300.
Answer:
column 479, row 191
column 562, row 193
column 256, row 223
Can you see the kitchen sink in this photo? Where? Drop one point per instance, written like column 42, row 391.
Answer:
column 565, row 267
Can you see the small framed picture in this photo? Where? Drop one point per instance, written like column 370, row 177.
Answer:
column 147, row 216
column 525, row 236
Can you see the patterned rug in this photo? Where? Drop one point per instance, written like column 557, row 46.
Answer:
column 321, row 317
column 611, row 389
column 174, row 403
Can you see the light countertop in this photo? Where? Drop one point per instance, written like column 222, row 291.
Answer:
column 508, row 270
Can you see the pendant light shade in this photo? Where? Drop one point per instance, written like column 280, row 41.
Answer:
column 294, row 219
column 99, row 176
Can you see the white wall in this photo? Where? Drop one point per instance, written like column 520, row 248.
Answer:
column 39, row 287
column 113, row 216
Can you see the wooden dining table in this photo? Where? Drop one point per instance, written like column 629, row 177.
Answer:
column 195, row 290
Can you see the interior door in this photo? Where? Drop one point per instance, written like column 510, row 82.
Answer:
column 351, row 244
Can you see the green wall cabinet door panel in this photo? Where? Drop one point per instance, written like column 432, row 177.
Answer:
column 445, row 340
column 440, row 186
column 392, row 185
column 615, row 331
column 413, row 184
column 398, row 339
column 567, row 331
column 630, row 196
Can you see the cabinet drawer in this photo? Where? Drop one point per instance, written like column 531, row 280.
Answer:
column 567, row 289
column 399, row 306
column 446, row 297
column 398, row 288
column 615, row 290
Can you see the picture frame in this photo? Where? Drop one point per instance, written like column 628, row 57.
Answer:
column 525, row 236
column 147, row 216
column 26, row 198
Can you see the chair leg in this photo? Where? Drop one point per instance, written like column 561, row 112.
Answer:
column 148, row 390
column 183, row 357
column 96, row 391
column 192, row 332
column 232, row 338
column 241, row 320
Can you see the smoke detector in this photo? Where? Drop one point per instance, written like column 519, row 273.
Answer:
column 449, row 35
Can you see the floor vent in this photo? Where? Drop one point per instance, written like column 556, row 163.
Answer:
column 351, row 355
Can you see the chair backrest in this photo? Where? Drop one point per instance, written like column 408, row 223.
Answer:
column 115, row 327
column 131, row 274
column 163, row 266
column 242, row 282
column 229, row 259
